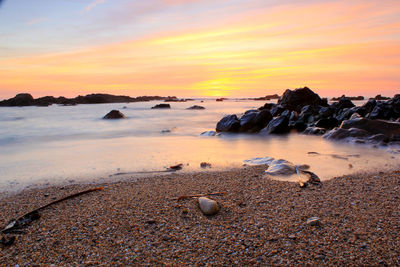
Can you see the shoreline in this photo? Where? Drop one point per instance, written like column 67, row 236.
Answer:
column 261, row 221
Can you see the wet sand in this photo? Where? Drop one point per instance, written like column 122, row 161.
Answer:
column 261, row 222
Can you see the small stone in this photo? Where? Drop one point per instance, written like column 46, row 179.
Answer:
column 151, row 221
column 185, row 211
column 314, row 221
column 205, row 165
column 208, row 206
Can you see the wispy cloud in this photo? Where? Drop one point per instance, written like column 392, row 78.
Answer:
column 93, row 5
column 36, row 20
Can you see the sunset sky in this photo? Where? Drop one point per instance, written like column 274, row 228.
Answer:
column 203, row 48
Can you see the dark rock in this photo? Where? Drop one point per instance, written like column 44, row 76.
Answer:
column 373, row 126
column 327, row 123
column 370, row 105
column 196, row 107
column 293, row 116
column 246, row 121
column 361, row 111
column 344, row 102
column 349, row 97
column 262, row 119
column 277, row 126
column 314, row 131
column 382, row 111
column 277, row 110
column 379, row 97
column 19, row 100
column 205, row 165
column 298, row 125
column 114, row 114
column 161, row 106
column 326, row 112
column 295, row 100
column 267, row 106
column 286, row 113
column 340, row 133
column 228, row 123
column 345, row 114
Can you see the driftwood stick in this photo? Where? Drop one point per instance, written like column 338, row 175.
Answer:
column 33, row 215
column 199, row 195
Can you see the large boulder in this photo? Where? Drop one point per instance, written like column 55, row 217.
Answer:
column 254, row 120
column 228, row 123
column 295, row 100
column 373, row 127
column 278, row 125
column 114, row 114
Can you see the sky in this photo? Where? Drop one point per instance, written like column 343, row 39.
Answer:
column 203, row 48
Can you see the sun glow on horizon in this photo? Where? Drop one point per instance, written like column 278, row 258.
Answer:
column 333, row 47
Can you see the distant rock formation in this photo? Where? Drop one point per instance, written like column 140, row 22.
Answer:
column 353, row 98
column 27, row 100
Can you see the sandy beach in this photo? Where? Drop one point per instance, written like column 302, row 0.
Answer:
column 261, row 222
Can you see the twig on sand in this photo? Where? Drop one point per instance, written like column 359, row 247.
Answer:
column 199, row 195
column 14, row 225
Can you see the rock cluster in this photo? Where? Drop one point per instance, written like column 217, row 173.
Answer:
column 304, row 111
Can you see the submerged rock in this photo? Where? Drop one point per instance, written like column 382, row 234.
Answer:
column 161, row 106
column 208, row 206
column 197, row 107
column 114, row 114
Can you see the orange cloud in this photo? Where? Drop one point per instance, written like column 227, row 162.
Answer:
column 332, row 46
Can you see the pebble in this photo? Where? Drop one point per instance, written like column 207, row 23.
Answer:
column 313, row 221
column 208, row 206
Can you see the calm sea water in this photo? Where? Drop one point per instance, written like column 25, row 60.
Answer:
column 72, row 143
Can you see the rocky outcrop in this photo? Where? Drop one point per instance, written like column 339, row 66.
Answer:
column 114, row 114
column 304, row 111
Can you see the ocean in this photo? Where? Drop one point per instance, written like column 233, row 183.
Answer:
column 69, row 144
